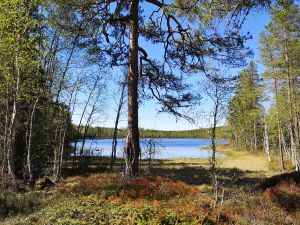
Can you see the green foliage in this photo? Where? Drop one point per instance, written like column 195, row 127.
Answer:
column 104, row 132
column 280, row 53
column 12, row 203
column 275, row 205
column 107, row 200
column 26, row 89
column 246, row 111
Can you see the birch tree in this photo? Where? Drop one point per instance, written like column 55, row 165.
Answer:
column 19, row 69
column 218, row 88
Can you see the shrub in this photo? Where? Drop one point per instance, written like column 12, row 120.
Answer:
column 276, row 205
column 12, row 203
column 104, row 199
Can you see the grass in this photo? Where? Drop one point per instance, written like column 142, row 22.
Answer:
column 178, row 192
column 275, row 166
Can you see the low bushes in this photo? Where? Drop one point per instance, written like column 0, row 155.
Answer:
column 279, row 204
column 107, row 199
column 12, row 203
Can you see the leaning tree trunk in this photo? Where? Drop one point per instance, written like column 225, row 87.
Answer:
column 11, row 145
column 132, row 148
column 115, row 134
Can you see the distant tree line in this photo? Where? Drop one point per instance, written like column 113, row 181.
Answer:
column 104, row 132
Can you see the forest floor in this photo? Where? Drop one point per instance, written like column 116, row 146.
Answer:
column 178, row 191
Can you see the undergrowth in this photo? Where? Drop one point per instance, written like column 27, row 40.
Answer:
column 108, row 199
column 12, row 203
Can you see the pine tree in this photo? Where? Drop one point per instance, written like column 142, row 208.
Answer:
column 280, row 53
column 187, row 32
column 246, row 110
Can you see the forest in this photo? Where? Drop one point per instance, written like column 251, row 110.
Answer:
column 105, row 132
column 77, row 71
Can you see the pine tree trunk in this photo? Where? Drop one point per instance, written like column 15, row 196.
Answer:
column 132, row 148
column 291, row 110
column 293, row 147
column 255, row 136
column 278, row 123
column 280, row 149
column 284, row 146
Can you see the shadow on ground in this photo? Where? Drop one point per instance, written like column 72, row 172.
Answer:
column 197, row 174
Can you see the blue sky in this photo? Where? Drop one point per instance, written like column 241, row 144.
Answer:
column 149, row 118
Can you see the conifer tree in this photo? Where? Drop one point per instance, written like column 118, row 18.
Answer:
column 189, row 33
column 246, row 110
column 280, row 53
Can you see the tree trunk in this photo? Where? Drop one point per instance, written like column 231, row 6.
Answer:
column 293, row 147
column 4, row 162
column 284, row 146
column 86, row 129
column 12, row 127
column 255, row 136
column 281, row 141
column 291, row 110
column 132, row 148
column 29, row 165
column 266, row 140
column 213, row 139
column 79, row 126
column 213, row 156
column 278, row 123
column 115, row 134
column 59, row 152
column 11, row 146
column 213, row 146
column 280, row 149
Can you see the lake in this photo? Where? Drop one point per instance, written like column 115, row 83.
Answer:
column 169, row 148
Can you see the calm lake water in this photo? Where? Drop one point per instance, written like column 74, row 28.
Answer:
column 169, row 148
